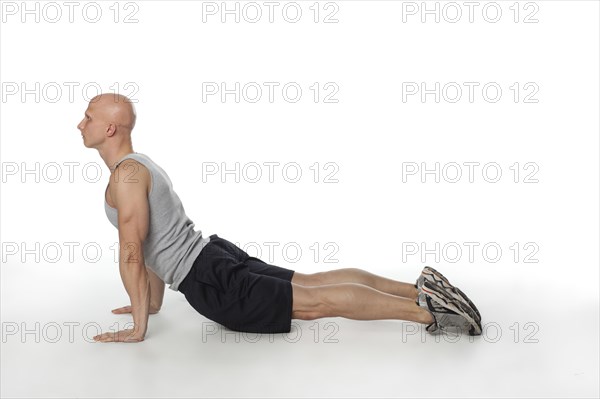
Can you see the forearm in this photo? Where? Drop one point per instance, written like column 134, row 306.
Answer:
column 137, row 284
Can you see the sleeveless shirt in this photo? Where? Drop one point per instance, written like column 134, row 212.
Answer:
column 172, row 244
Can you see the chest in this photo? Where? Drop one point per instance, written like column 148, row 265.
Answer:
column 107, row 198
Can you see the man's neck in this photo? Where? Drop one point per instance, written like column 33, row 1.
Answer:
column 111, row 157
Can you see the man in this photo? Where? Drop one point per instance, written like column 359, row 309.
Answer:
column 158, row 245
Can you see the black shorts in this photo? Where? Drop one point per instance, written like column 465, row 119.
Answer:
column 238, row 291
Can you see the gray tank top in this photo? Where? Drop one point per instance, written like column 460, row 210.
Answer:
column 172, row 244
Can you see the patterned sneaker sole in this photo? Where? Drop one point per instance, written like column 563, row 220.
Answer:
column 433, row 275
column 454, row 292
column 443, row 298
column 451, row 290
column 476, row 328
column 444, row 319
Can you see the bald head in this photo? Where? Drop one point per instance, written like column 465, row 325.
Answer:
column 116, row 109
column 107, row 124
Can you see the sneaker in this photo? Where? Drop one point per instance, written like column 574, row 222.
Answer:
column 430, row 274
column 443, row 298
column 443, row 318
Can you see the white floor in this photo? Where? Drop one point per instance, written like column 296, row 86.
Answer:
column 187, row 355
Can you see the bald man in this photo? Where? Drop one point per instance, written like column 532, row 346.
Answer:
column 159, row 245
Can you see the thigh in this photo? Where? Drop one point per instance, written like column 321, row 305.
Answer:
column 260, row 304
column 221, row 287
column 258, row 266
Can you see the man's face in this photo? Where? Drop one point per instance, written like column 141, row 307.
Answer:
column 93, row 127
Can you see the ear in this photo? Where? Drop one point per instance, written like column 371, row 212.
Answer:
column 111, row 129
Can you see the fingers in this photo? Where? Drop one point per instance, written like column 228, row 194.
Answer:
column 127, row 309
column 106, row 337
column 120, row 336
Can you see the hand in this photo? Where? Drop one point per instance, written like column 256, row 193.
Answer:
column 120, row 336
column 127, row 309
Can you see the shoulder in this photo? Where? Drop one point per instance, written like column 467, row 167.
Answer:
column 130, row 175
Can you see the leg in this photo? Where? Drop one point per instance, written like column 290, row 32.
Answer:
column 354, row 275
column 354, row 301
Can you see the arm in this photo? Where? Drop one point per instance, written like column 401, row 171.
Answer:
column 131, row 200
column 157, row 291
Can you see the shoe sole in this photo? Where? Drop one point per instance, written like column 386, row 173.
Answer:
column 440, row 313
column 449, row 289
column 437, row 277
column 444, row 299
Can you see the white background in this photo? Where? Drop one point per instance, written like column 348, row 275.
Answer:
column 369, row 214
